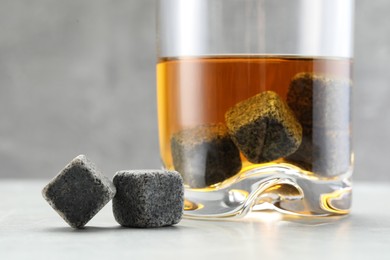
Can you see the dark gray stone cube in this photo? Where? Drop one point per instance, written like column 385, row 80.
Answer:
column 322, row 106
column 205, row 155
column 148, row 198
column 78, row 192
column 264, row 128
column 320, row 101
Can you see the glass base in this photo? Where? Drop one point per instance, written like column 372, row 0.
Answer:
column 282, row 187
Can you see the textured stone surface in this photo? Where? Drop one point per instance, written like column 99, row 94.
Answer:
column 264, row 128
column 331, row 152
column 205, row 155
column 320, row 101
column 78, row 192
column 148, row 198
column 324, row 152
column 322, row 106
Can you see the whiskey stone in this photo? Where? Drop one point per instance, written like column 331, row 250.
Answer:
column 205, row 155
column 321, row 105
column 78, row 192
column 320, row 101
column 264, row 128
column 148, row 198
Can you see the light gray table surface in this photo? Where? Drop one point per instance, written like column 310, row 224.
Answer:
column 30, row 229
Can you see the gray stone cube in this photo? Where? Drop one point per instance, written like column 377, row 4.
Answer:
column 78, row 192
column 320, row 101
column 264, row 128
column 322, row 105
column 205, row 155
column 148, row 198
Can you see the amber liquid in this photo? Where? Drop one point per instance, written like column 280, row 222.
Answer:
column 196, row 91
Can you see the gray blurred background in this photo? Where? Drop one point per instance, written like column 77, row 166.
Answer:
column 78, row 76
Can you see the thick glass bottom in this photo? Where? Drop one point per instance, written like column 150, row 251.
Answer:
column 281, row 187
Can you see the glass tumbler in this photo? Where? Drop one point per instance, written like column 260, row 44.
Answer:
column 254, row 104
